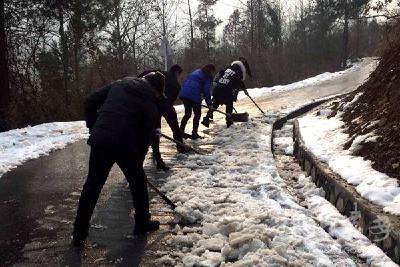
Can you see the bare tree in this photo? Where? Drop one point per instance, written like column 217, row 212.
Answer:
column 4, row 82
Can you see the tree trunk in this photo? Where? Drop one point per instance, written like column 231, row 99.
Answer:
column 345, row 37
column 4, row 81
column 119, row 40
column 191, row 31
column 358, row 34
column 207, row 33
column 64, row 54
column 251, row 27
column 78, row 32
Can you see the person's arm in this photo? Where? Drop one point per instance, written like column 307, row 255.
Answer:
column 243, row 88
column 151, row 120
column 93, row 103
column 206, row 91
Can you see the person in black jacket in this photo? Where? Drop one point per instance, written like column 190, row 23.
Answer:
column 172, row 88
column 227, row 88
column 121, row 118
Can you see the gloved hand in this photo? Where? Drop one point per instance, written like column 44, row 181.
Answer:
column 158, row 132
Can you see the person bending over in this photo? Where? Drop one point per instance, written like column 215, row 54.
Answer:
column 121, row 118
column 171, row 92
column 227, row 89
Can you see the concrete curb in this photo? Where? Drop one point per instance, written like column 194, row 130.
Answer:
column 345, row 198
column 278, row 124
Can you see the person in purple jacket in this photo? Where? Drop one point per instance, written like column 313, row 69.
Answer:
column 196, row 87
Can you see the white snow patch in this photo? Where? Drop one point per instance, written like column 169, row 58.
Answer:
column 339, row 226
column 19, row 145
column 240, row 204
column 361, row 139
column 348, row 105
column 325, row 138
column 316, row 80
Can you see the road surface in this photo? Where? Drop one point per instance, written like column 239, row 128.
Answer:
column 38, row 199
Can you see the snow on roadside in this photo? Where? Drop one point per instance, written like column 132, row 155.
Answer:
column 19, row 145
column 340, row 227
column 313, row 81
column 325, row 138
column 337, row 225
column 237, row 211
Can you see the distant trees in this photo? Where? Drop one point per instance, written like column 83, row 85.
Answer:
column 54, row 52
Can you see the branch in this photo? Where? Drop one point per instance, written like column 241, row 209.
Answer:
column 376, row 16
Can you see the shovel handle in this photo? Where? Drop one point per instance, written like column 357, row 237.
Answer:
column 182, row 144
column 255, row 103
column 162, row 195
column 219, row 111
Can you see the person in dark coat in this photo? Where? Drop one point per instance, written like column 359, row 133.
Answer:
column 121, row 118
column 196, row 86
column 172, row 88
column 227, row 89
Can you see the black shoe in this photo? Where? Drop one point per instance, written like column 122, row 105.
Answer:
column 79, row 236
column 229, row 124
column 78, row 242
column 186, row 136
column 161, row 166
column 206, row 122
column 183, row 149
column 196, row 136
column 143, row 228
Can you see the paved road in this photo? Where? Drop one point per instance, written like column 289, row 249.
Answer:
column 38, row 199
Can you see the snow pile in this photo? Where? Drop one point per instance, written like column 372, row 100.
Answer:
column 20, row 145
column 283, row 140
column 339, row 226
column 237, row 211
column 313, row 81
column 325, row 138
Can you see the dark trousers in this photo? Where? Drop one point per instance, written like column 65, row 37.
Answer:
column 228, row 110
column 189, row 107
column 169, row 113
column 100, row 163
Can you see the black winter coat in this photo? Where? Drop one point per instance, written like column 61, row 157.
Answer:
column 122, row 116
column 172, row 87
column 228, row 85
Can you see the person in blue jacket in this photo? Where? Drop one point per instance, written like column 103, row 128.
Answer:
column 196, row 86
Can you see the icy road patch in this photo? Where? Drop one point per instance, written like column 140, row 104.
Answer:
column 19, row 145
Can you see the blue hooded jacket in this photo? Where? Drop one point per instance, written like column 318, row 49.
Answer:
column 196, row 86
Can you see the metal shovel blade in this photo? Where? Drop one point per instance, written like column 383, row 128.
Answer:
column 240, row 117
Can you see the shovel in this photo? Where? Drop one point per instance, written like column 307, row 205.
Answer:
column 236, row 117
column 247, row 93
column 162, row 195
column 182, row 144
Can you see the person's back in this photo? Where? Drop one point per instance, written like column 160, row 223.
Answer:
column 229, row 81
column 120, row 118
column 196, row 86
column 130, row 103
column 172, row 86
column 193, row 85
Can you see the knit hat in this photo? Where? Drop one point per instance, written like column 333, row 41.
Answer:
column 157, row 80
column 176, row 68
column 209, row 69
